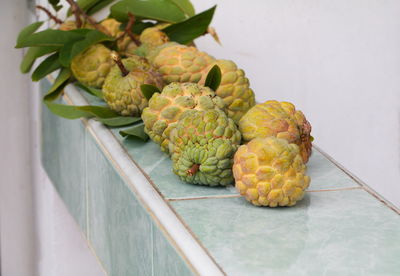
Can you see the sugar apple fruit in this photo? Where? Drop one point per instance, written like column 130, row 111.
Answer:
column 123, row 93
column 92, row 65
column 280, row 119
column 180, row 63
column 234, row 89
column 175, row 100
column 203, row 144
column 270, row 172
column 154, row 36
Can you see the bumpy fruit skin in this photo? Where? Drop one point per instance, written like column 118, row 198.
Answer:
column 112, row 27
column 270, row 172
column 180, row 63
column 202, row 145
column 92, row 65
column 280, row 119
column 175, row 101
column 123, row 93
column 234, row 89
column 153, row 37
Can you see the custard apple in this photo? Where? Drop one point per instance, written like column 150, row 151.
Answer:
column 92, row 65
column 180, row 63
column 234, row 89
column 280, row 119
column 123, row 93
column 203, row 144
column 175, row 100
column 270, row 172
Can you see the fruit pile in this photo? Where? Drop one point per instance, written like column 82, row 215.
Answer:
column 200, row 110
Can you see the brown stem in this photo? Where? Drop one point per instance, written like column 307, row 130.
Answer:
column 49, row 14
column 121, row 66
column 75, row 10
column 128, row 30
column 193, row 170
column 78, row 11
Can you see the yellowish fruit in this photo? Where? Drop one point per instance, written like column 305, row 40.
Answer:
column 92, row 65
column 280, row 119
column 270, row 172
column 180, row 63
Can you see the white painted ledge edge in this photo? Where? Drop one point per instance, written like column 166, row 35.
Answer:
column 178, row 234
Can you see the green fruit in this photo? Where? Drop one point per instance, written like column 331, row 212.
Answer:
column 203, row 144
column 92, row 65
column 123, row 93
column 280, row 119
column 180, row 63
column 270, row 172
column 174, row 102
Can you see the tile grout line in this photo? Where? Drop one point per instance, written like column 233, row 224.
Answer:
column 363, row 185
column 155, row 218
column 238, row 195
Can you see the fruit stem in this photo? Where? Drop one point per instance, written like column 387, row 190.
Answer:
column 193, row 170
column 77, row 11
column 49, row 14
column 128, row 30
column 118, row 61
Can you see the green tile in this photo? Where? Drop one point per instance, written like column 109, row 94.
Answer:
column 158, row 166
column 119, row 227
column 328, row 233
column 326, row 175
column 63, row 157
column 166, row 260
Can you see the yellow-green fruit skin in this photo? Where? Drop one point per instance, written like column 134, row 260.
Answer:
column 123, row 93
column 234, row 89
column 153, row 36
column 92, row 65
column 175, row 100
column 270, row 172
column 180, row 63
column 206, row 141
column 280, row 119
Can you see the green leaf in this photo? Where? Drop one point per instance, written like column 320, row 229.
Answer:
column 32, row 54
column 85, row 5
column 75, row 112
column 185, row 5
column 138, row 27
column 184, row 32
column 119, row 121
column 27, row 31
column 66, row 111
column 213, row 79
column 98, row 6
column 55, row 4
column 60, row 82
column 73, row 48
column 162, row 10
column 148, row 90
column 91, row 90
column 136, row 131
column 50, row 37
column 49, row 65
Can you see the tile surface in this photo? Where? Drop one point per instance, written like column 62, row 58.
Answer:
column 119, row 227
column 166, row 260
column 63, row 148
column 328, row 233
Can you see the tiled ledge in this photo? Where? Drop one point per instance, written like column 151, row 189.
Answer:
column 140, row 219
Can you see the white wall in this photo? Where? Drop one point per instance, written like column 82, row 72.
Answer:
column 16, row 200
column 338, row 61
